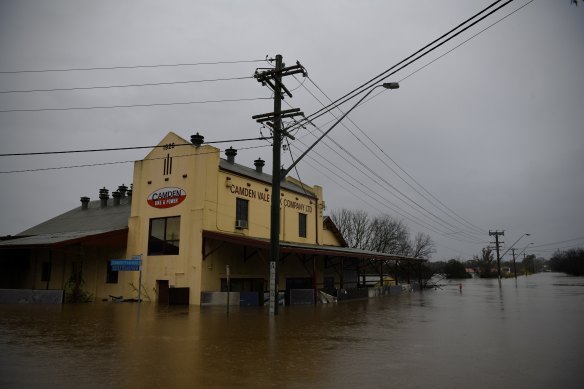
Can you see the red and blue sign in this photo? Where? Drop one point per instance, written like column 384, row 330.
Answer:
column 166, row 197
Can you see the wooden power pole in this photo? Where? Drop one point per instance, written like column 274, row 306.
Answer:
column 496, row 234
column 272, row 77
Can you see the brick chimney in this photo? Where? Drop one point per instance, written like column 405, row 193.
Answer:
column 117, row 195
column 231, row 153
column 84, row 202
column 259, row 165
column 122, row 189
column 197, row 139
column 103, row 196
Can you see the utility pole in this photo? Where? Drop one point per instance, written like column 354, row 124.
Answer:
column 272, row 77
column 514, row 264
column 496, row 234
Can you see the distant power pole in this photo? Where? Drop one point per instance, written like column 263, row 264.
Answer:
column 514, row 264
column 497, row 245
column 272, row 77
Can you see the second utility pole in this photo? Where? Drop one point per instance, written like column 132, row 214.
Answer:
column 496, row 234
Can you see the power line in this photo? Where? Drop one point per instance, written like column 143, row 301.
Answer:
column 423, row 188
column 465, row 41
column 384, row 202
column 127, row 67
column 557, row 243
column 127, row 148
column 135, row 105
column 126, row 85
column 467, row 223
column 443, row 222
column 403, row 197
column 387, row 73
column 115, row 163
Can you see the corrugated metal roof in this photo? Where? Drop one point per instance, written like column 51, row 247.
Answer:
column 94, row 218
column 263, row 177
column 52, row 238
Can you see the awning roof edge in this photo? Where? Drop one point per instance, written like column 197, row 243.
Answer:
column 302, row 248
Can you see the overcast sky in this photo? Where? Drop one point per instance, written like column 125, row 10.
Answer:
column 492, row 130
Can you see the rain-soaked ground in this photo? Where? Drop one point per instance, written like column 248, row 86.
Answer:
column 527, row 333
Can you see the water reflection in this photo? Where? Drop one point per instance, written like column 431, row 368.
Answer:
column 520, row 335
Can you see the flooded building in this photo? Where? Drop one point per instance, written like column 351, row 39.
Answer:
column 190, row 215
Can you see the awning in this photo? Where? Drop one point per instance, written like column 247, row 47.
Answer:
column 311, row 249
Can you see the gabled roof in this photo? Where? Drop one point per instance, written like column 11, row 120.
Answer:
column 104, row 237
column 331, row 226
column 263, row 177
column 76, row 224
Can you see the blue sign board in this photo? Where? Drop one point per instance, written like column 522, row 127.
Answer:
column 126, row 264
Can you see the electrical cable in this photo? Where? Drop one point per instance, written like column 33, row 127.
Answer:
column 126, row 148
column 387, row 73
column 403, row 197
column 128, row 67
column 465, row 41
column 557, row 243
column 468, row 224
column 117, row 162
column 472, row 226
column 135, row 105
column 126, row 85
column 439, row 221
column 380, row 199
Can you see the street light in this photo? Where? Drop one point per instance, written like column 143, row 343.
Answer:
column 275, row 204
column 386, row 85
column 514, row 265
column 510, row 247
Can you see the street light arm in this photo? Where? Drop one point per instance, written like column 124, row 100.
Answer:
column 525, row 248
column 513, row 245
column 390, row 85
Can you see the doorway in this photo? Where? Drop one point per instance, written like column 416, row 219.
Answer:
column 162, row 288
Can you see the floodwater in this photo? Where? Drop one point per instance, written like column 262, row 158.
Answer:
column 527, row 333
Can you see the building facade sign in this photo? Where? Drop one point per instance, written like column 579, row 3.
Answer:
column 251, row 193
column 263, row 196
column 166, row 197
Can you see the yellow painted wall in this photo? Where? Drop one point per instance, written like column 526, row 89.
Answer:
column 91, row 261
column 210, row 205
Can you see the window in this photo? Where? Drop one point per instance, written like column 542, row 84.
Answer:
column 302, row 225
column 46, row 271
column 111, row 276
column 164, row 236
column 241, row 213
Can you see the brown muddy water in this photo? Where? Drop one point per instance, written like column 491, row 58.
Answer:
column 524, row 334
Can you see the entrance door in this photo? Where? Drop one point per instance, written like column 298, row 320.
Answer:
column 162, row 287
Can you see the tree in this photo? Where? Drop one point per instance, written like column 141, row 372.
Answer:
column 354, row 227
column 569, row 262
column 423, row 246
column 382, row 234
column 389, row 236
column 485, row 262
column 455, row 270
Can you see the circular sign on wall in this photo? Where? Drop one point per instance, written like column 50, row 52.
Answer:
column 166, row 197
